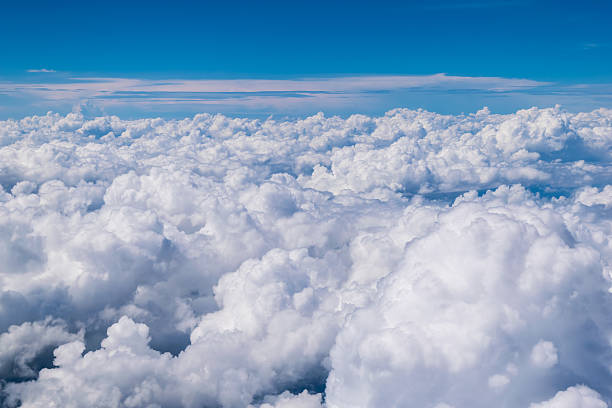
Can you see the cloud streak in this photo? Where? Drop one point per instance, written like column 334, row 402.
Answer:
column 41, row 70
column 282, row 96
column 294, row 97
column 93, row 87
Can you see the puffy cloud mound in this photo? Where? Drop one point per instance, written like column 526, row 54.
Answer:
column 21, row 345
column 579, row 396
column 402, row 260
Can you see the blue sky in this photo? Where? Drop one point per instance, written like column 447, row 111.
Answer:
column 565, row 47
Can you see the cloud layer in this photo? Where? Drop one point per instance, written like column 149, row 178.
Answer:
column 43, row 90
column 411, row 259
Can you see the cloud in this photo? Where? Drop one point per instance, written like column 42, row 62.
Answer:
column 173, row 90
column 369, row 94
column 402, row 259
column 575, row 397
column 22, row 345
column 544, row 354
column 340, row 94
column 41, row 70
column 288, row 400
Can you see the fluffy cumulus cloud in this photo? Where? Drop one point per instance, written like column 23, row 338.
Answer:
column 575, row 397
column 412, row 259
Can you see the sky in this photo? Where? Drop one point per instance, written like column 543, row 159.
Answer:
column 564, row 46
column 400, row 204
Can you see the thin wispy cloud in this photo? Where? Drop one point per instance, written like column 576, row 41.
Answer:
column 41, row 70
column 94, row 86
column 595, row 45
column 371, row 94
column 248, row 95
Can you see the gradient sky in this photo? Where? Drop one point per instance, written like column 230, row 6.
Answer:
column 562, row 43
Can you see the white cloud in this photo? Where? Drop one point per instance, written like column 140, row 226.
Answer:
column 544, row 354
column 41, row 70
column 498, row 381
column 579, row 396
column 99, row 86
column 378, row 261
column 255, row 96
column 370, row 94
column 21, row 345
column 288, row 400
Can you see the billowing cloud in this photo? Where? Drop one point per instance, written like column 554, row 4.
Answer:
column 401, row 260
column 579, row 396
column 21, row 346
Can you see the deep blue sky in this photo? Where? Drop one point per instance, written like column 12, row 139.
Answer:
column 544, row 40
column 563, row 42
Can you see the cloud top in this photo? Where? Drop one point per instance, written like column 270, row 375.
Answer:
column 403, row 259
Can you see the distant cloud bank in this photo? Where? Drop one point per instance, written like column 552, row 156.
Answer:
column 293, row 97
column 407, row 259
